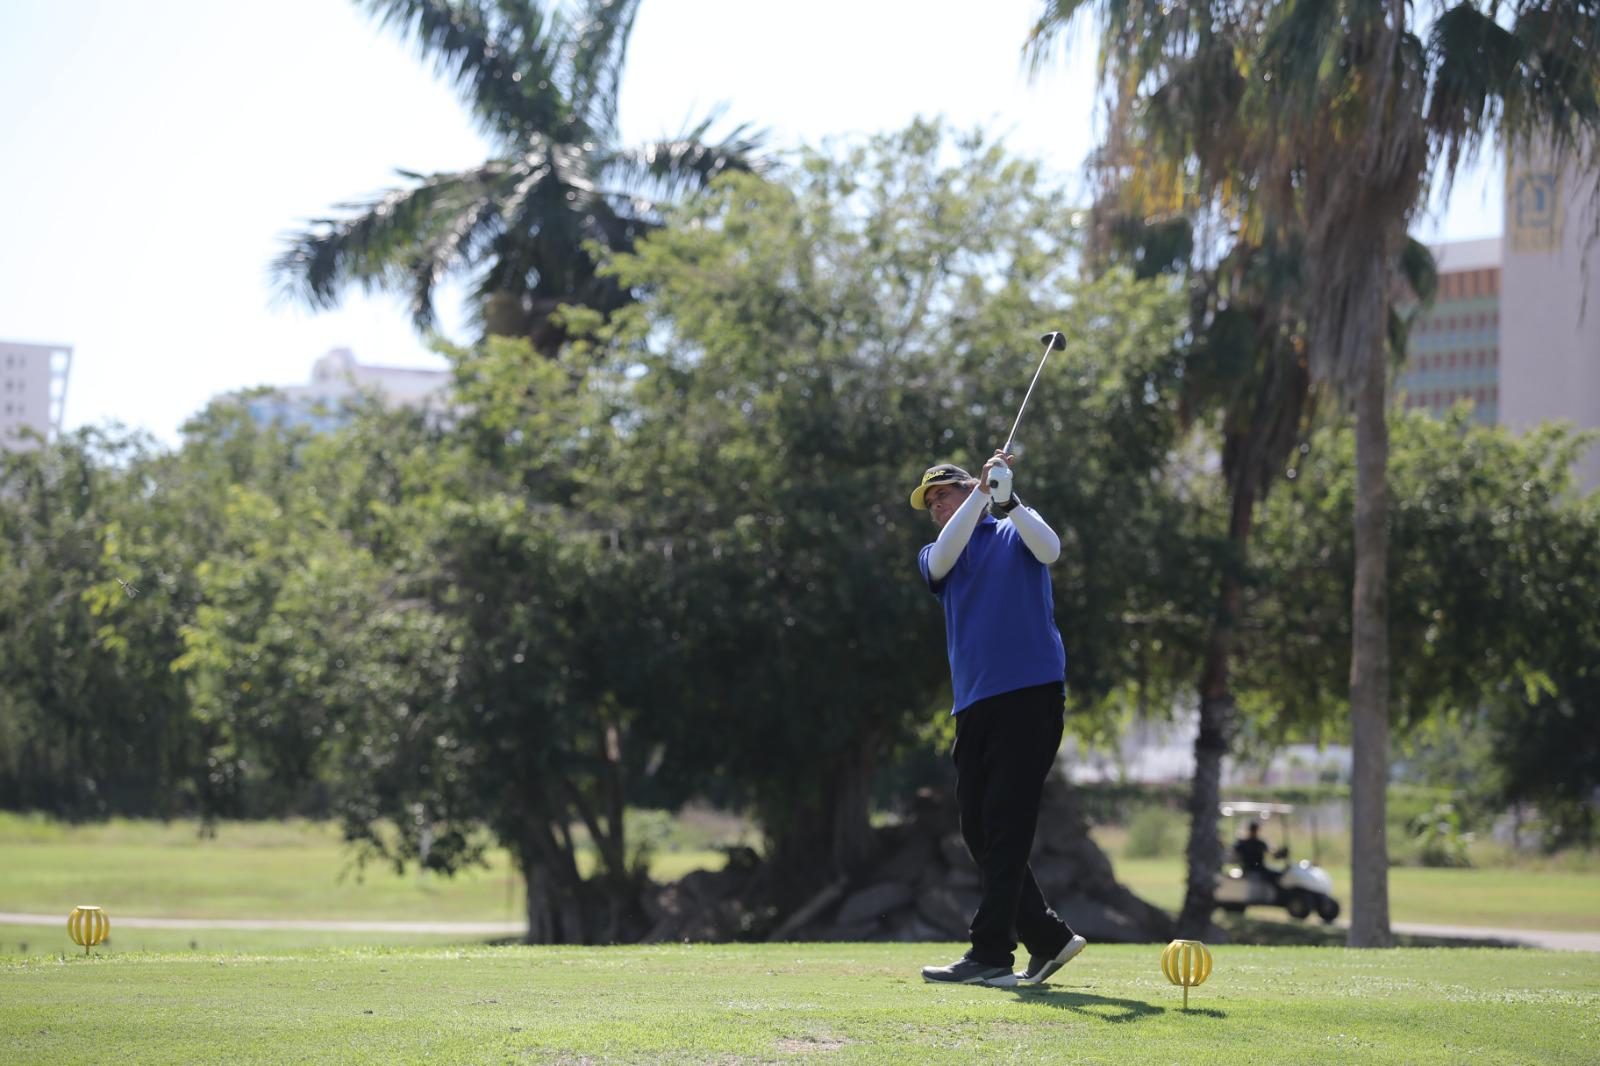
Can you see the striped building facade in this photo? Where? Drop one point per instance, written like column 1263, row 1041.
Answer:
column 1453, row 349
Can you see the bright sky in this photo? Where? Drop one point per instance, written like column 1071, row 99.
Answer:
column 154, row 154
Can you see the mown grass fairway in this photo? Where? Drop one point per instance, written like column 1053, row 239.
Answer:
column 1515, row 899
column 51, row 940
column 838, row 1003
column 302, row 870
column 291, row 869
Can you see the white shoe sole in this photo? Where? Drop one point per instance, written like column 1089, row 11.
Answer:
column 1049, row 970
column 1005, row 981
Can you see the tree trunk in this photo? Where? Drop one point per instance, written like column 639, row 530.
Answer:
column 1369, row 669
column 849, row 806
column 512, row 314
column 1204, row 852
column 828, row 834
column 554, row 895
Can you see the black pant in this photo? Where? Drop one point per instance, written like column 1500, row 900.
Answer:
column 1005, row 746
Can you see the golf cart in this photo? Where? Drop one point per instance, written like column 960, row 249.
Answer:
column 1298, row 888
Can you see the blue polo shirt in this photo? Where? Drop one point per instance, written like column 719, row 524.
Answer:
column 999, row 616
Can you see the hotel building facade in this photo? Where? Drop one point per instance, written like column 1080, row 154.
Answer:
column 1514, row 329
column 33, row 392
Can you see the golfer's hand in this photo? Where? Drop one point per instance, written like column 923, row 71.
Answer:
column 999, row 458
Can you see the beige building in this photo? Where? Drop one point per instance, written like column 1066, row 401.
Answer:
column 33, row 391
column 337, row 380
column 1550, row 303
column 1514, row 329
column 1453, row 350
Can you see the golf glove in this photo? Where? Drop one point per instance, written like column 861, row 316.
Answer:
column 1000, row 483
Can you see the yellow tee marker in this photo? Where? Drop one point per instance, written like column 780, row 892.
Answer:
column 88, row 926
column 1186, row 963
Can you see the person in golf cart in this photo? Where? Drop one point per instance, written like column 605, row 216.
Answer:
column 1251, row 852
column 1007, row 674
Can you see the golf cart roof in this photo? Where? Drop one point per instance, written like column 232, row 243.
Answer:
column 1230, row 808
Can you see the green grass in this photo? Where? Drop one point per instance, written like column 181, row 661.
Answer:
column 839, row 1003
column 292, row 869
column 297, row 869
column 41, row 941
column 1514, row 899
column 1163, row 831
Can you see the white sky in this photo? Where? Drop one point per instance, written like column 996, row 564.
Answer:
column 152, row 155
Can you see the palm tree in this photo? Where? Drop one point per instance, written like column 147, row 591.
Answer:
column 1329, row 118
column 1248, row 372
column 542, row 81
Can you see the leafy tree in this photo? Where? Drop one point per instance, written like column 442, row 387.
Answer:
column 457, row 645
column 1329, row 121
column 1494, row 575
column 805, row 350
column 1246, row 381
column 541, row 80
column 92, row 721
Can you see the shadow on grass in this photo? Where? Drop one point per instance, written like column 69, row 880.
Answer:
column 1100, row 1008
column 1259, row 931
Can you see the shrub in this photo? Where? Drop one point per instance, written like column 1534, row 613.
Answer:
column 1153, row 833
column 1438, row 832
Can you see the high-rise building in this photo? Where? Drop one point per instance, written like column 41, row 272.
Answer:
column 1453, row 350
column 1515, row 327
column 336, row 380
column 1550, row 281
column 33, row 391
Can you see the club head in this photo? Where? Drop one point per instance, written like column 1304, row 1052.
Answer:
column 1056, row 340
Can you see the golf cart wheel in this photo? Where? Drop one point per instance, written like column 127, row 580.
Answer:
column 1298, row 905
column 1327, row 909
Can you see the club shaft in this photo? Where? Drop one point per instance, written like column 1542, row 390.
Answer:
column 1048, row 346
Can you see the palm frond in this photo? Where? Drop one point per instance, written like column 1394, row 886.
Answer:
column 1419, row 270
column 545, row 216
column 459, row 245
column 1048, row 29
column 1558, row 96
column 1416, row 283
column 502, row 59
column 1195, row 112
column 383, row 237
column 652, row 175
column 1477, row 64
column 1302, row 56
column 596, row 53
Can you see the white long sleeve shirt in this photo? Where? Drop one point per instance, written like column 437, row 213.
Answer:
column 1035, row 533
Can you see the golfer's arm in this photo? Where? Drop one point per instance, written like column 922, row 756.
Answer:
column 1040, row 538
column 953, row 537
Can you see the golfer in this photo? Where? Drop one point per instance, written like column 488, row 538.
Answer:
column 1008, row 672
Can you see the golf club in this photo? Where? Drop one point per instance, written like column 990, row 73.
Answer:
column 1000, row 476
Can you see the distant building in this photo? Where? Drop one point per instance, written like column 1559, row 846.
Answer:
column 1453, row 351
column 33, row 390
column 337, row 380
column 1551, row 298
column 1515, row 327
